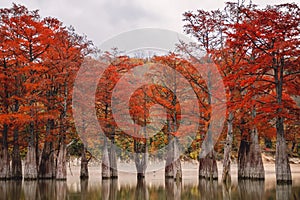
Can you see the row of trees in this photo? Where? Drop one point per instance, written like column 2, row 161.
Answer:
column 256, row 51
column 38, row 60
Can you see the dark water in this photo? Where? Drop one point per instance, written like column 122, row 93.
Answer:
column 170, row 189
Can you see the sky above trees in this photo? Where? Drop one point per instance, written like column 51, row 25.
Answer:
column 100, row 20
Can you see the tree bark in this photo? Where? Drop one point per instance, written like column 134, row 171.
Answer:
column 61, row 167
column 113, row 159
column 16, row 158
column 105, row 161
column 4, row 156
column 283, row 170
column 226, row 175
column 282, row 165
column 250, row 165
column 208, row 167
column 30, row 167
column 169, row 168
column 141, row 157
column 84, row 170
column 47, row 162
column 177, row 164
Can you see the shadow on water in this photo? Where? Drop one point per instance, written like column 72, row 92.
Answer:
column 145, row 189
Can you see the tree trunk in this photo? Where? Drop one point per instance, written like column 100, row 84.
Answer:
column 250, row 165
column 141, row 158
column 30, row 167
column 208, row 167
column 177, row 164
column 226, row 175
column 283, row 170
column 169, row 168
column 105, row 161
column 113, row 160
column 4, row 156
column 84, row 170
column 47, row 162
column 61, row 167
column 16, row 158
column 282, row 165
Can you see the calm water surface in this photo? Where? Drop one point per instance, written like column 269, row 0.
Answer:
column 153, row 187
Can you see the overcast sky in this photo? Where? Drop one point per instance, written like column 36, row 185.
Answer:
column 103, row 19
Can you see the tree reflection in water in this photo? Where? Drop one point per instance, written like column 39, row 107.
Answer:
column 145, row 189
column 251, row 189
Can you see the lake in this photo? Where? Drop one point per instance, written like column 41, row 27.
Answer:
column 154, row 186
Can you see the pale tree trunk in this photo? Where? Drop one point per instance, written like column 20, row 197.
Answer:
column 283, row 170
column 250, row 165
column 113, row 159
column 16, row 158
column 177, row 164
column 169, row 168
column 30, row 167
column 282, row 165
column 141, row 148
column 226, row 175
column 208, row 168
column 61, row 167
column 141, row 157
column 84, row 170
column 208, row 165
column 105, row 161
column 4, row 156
